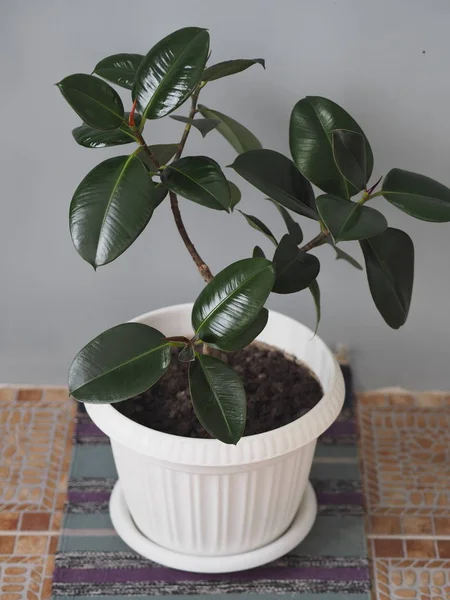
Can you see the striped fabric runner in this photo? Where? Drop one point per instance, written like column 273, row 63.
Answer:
column 331, row 563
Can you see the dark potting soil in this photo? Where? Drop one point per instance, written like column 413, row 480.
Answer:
column 279, row 390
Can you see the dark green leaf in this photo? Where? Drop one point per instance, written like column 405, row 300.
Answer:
column 118, row 364
column 110, row 208
column 258, row 252
column 218, row 397
column 277, row 177
column 417, row 195
column 347, row 220
column 203, row 125
column 390, row 272
column 230, row 67
column 162, row 152
column 259, row 226
column 199, row 179
column 312, row 121
column 235, row 194
column 295, row 270
column 96, row 102
column 294, row 229
column 96, row 138
column 239, row 136
column 247, row 336
column 119, row 69
column 341, row 255
column 232, row 300
column 315, row 292
column 349, row 151
column 159, row 193
column 170, row 72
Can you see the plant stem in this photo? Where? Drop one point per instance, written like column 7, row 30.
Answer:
column 374, row 195
column 147, row 150
column 317, row 241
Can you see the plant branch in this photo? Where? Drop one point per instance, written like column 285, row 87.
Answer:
column 147, row 150
column 317, row 241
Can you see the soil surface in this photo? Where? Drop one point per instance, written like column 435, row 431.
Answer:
column 279, row 390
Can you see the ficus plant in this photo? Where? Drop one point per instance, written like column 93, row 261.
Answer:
column 115, row 201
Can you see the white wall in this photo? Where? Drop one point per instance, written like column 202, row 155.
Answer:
column 386, row 62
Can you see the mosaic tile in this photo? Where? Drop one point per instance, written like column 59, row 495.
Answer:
column 413, row 579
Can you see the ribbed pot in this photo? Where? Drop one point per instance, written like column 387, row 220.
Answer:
column 205, row 498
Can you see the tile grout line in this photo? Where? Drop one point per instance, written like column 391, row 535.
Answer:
column 409, row 536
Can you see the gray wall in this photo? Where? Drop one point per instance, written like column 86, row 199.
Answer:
column 386, row 62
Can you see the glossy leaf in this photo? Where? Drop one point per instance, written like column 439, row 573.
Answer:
column 277, row 177
column 417, row 195
column 235, row 194
column 349, row 151
column 247, row 336
column 236, row 134
column 313, row 120
column 232, row 300
column 96, row 102
column 230, row 67
column 258, row 252
column 199, row 179
column 118, row 364
column 170, row 72
column 159, row 193
column 259, row 226
column 110, row 208
column 315, row 292
column 341, row 255
column 218, row 397
column 294, row 229
column 119, row 69
column 203, row 125
column 162, row 152
column 389, row 261
column 347, row 220
column 89, row 137
column 295, row 270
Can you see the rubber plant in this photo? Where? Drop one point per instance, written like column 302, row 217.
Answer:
column 115, row 202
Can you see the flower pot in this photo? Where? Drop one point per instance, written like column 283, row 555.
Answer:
column 203, row 498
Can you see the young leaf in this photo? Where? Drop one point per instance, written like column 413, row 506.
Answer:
column 119, row 69
column 294, row 229
column 162, row 152
column 230, row 67
column 118, row 364
column 295, row 270
column 315, row 292
column 277, row 177
column 239, row 136
column 312, row 121
column 389, row 261
column 218, row 397
column 341, row 255
column 417, row 195
column 187, row 354
column 349, row 151
column 96, row 138
column 199, row 179
column 347, row 220
column 96, row 102
column 170, row 72
column 247, row 336
column 203, row 125
column 110, row 208
column 232, row 300
column 259, row 226
column 235, row 194
column 258, row 252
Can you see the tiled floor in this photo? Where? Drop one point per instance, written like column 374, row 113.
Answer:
column 405, row 448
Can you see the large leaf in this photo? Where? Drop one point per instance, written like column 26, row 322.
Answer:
column 118, row 364
column 259, row 226
column 295, row 270
column 119, row 69
column 159, row 193
column 232, row 300
column 239, row 136
column 230, row 67
column 294, row 229
column 96, row 102
column 96, row 138
column 235, row 194
column 341, row 255
column 313, row 120
column 247, row 336
column 277, row 177
column 203, row 125
column 162, row 152
column 199, row 179
column 315, row 292
column 390, row 272
column 417, row 195
column 349, row 151
column 347, row 220
column 170, row 72
column 218, row 397
column 110, row 208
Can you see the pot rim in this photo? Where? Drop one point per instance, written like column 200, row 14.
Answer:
column 260, row 447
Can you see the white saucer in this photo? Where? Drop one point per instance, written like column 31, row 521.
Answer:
column 130, row 534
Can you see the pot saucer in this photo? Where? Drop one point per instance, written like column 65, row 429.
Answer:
column 130, row 534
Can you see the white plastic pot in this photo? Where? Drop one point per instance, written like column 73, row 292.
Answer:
column 201, row 497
